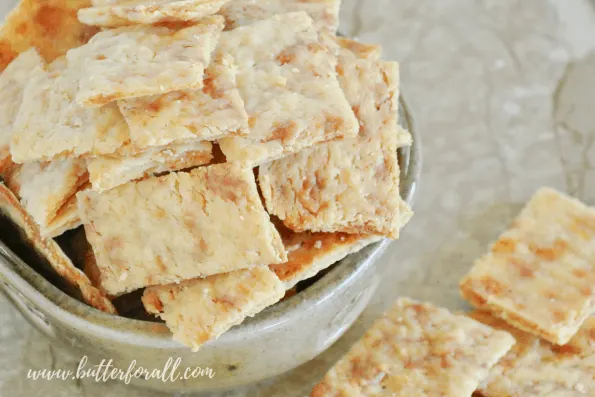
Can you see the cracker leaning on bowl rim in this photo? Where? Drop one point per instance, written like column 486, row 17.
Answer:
column 115, row 13
column 540, row 274
column 179, row 226
column 417, row 349
column 287, row 80
column 48, row 248
column 144, row 60
column 200, row 310
column 535, row 368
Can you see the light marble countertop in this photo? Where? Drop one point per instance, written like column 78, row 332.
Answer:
column 503, row 94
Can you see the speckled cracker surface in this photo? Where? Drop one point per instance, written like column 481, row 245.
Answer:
column 47, row 190
column 108, row 172
column 50, row 26
column 325, row 13
column 287, row 80
column 417, row 350
column 179, row 226
column 213, row 112
column 536, row 368
column 200, row 310
column 540, row 274
column 49, row 124
column 351, row 185
column 144, row 60
column 114, row 13
column 50, row 250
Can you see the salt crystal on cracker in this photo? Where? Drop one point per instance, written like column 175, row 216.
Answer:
column 540, row 274
column 200, row 310
column 417, row 349
column 179, row 226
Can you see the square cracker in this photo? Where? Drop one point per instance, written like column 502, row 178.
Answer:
column 540, row 274
column 51, row 251
column 535, row 368
column 47, row 192
column 115, row 13
column 417, row 349
column 179, row 226
column 213, row 112
column 50, row 124
column 108, row 172
column 50, row 26
column 325, row 13
column 200, row 310
column 12, row 84
column 144, row 60
column 287, row 80
column 352, row 185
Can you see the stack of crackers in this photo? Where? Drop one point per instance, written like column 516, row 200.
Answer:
column 217, row 152
column 532, row 335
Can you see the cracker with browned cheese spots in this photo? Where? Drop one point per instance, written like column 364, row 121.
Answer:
column 211, row 113
column 201, row 310
column 115, row 13
column 287, row 80
column 51, row 125
column 536, row 368
column 179, row 226
column 50, row 26
column 142, row 60
column 48, row 192
column 325, row 13
column 540, row 274
column 352, row 185
column 108, row 172
column 49, row 249
column 417, row 349
column 361, row 50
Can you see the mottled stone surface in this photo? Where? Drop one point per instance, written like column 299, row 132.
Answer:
column 503, row 95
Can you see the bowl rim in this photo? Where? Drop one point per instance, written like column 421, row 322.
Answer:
column 42, row 296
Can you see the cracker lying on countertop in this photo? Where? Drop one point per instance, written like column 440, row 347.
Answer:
column 540, row 274
column 47, row 192
column 144, row 60
column 213, row 112
column 50, row 124
column 108, row 172
column 417, row 349
column 200, row 310
column 49, row 26
column 325, row 13
column 536, row 368
column 115, row 13
column 51, row 251
column 179, row 226
column 351, row 185
column 287, row 80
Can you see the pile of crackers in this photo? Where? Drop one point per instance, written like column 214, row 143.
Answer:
column 217, row 152
column 532, row 335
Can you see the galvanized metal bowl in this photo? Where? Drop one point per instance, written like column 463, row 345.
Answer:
column 276, row 340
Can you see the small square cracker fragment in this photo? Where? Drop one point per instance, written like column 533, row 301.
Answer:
column 287, row 80
column 540, row 274
column 179, row 226
column 200, row 310
column 50, row 125
column 325, row 13
column 51, row 251
column 108, row 172
column 417, row 349
column 352, row 185
column 139, row 60
column 536, row 368
column 115, row 13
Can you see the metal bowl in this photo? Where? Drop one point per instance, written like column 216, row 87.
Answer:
column 276, row 340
